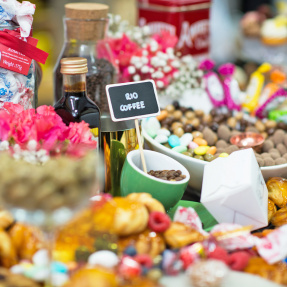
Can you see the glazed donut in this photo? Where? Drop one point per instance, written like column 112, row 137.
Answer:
column 150, row 203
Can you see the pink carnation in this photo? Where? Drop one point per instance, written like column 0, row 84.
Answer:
column 206, row 65
column 227, row 69
column 165, row 40
column 5, row 125
column 47, row 128
column 13, row 108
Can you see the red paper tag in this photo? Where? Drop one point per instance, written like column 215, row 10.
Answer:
column 14, row 60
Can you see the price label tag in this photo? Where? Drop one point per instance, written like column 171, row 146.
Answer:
column 132, row 100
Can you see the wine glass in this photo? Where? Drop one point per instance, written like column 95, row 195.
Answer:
column 49, row 195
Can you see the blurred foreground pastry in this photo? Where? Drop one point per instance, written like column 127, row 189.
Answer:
column 148, row 201
column 99, row 277
column 122, row 217
column 275, row 272
column 147, row 242
column 280, row 217
column 277, row 190
column 179, row 235
column 271, row 209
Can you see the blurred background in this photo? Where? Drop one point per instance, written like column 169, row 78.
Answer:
column 224, row 27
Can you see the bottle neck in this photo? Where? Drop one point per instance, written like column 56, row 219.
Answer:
column 74, row 83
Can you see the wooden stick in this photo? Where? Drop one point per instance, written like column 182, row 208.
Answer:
column 140, row 145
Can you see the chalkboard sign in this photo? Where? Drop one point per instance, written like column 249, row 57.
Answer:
column 132, row 100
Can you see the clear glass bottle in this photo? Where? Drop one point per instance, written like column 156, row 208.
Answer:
column 75, row 106
column 85, row 28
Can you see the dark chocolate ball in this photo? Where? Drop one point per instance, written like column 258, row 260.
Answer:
column 200, row 127
column 282, row 126
column 183, row 109
column 188, row 128
column 176, row 105
column 271, row 131
column 214, row 126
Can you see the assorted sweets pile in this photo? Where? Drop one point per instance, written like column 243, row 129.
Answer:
column 170, row 175
column 131, row 241
column 207, row 136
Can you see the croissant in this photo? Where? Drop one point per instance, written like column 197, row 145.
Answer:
column 271, row 209
column 147, row 242
column 121, row 216
column 8, row 255
column 148, row 201
column 6, row 219
column 26, row 239
column 280, row 217
column 179, row 235
column 9, row 279
column 99, row 277
column 275, row 272
column 277, row 190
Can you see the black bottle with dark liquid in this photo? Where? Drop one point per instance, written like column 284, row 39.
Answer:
column 75, row 106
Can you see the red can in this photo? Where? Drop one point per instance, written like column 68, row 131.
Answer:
column 187, row 19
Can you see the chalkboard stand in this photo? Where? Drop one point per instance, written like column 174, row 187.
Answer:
column 140, row 145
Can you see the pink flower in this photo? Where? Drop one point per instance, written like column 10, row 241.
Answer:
column 227, row 69
column 165, row 40
column 46, row 110
column 5, row 125
column 47, row 128
column 206, row 65
column 123, row 49
column 13, row 108
column 79, row 132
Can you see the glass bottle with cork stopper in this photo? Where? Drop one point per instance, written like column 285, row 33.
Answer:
column 85, row 26
column 75, row 106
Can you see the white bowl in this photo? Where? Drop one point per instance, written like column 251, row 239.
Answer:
column 195, row 166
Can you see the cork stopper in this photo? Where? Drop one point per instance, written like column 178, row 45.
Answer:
column 86, row 21
column 86, row 11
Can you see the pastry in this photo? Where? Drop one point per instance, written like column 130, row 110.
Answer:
column 140, row 282
column 179, row 235
column 8, row 279
column 271, row 209
column 121, row 216
column 148, row 201
column 258, row 266
column 280, row 217
column 147, row 242
column 26, row 239
column 6, row 219
column 8, row 256
column 76, row 233
column 274, row 32
column 277, row 190
column 251, row 24
column 99, row 277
